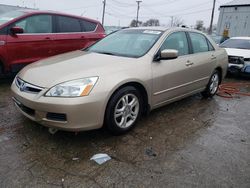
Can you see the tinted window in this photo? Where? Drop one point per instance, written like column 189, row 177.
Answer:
column 88, row 26
column 177, row 41
column 236, row 43
column 36, row 24
column 199, row 42
column 68, row 24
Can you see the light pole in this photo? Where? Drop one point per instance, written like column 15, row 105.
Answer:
column 212, row 18
column 103, row 11
column 138, row 8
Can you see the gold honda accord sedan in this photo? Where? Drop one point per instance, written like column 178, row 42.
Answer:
column 119, row 78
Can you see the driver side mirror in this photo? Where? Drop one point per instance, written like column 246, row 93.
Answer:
column 166, row 54
column 16, row 30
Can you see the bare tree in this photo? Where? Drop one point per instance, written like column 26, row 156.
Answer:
column 176, row 21
column 152, row 22
column 199, row 25
column 133, row 23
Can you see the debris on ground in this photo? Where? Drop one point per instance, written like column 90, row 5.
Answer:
column 75, row 159
column 100, row 158
column 234, row 89
column 150, row 152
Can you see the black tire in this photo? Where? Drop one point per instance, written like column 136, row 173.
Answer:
column 1, row 69
column 115, row 102
column 208, row 92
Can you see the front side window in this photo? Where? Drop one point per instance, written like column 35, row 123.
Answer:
column 177, row 41
column 36, row 24
column 128, row 43
column 68, row 24
column 199, row 42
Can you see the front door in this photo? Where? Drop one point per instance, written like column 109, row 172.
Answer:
column 32, row 45
column 172, row 78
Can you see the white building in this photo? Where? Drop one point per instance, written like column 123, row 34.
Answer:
column 235, row 16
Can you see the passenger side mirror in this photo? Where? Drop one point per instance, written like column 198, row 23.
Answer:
column 16, row 30
column 166, row 54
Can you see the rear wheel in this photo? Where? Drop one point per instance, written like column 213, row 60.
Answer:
column 123, row 110
column 213, row 85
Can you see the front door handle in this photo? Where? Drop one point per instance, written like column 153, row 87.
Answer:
column 189, row 63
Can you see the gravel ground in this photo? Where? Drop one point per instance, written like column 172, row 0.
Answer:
column 190, row 143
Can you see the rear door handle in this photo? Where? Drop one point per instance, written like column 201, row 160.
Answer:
column 189, row 63
column 47, row 38
column 213, row 57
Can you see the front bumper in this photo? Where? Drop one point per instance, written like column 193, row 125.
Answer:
column 237, row 64
column 70, row 114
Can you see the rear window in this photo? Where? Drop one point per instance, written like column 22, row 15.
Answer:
column 88, row 26
column 68, row 24
column 199, row 42
column 236, row 43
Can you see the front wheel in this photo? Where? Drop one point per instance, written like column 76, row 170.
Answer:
column 123, row 110
column 213, row 85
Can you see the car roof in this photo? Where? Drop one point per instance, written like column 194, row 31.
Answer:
column 159, row 28
column 243, row 38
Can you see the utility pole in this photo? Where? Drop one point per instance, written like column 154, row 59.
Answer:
column 103, row 11
column 172, row 21
column 138, row 8
column 212, row 18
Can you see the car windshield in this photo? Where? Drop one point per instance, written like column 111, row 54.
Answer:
column 5, row 17
column 128, row 43
column 236, row 43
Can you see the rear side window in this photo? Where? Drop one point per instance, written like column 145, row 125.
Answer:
column 36, row 24
column 68, row 25
column 199, row 42
column 177, row 41
column 88, row 26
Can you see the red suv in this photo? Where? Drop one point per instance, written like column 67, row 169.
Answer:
column 30, row 35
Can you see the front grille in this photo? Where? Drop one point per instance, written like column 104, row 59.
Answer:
column 236, row 60
column 27, row 87
column 56, row 116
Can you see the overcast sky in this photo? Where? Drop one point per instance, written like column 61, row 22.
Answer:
column 120, row 12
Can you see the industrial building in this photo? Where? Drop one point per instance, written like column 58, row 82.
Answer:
column 234, row 17
column 7, row 8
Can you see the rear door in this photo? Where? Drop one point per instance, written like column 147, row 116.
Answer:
column 91, row 33
column 32, row 45
column 203, row 59
column 69, row 35
column 74, row 33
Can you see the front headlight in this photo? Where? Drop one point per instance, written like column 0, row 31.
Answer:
column 74, row 88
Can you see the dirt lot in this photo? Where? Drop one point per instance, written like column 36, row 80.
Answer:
column 190, row 143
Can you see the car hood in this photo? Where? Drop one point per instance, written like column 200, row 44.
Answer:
column 238, row 52
column 74, row 65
